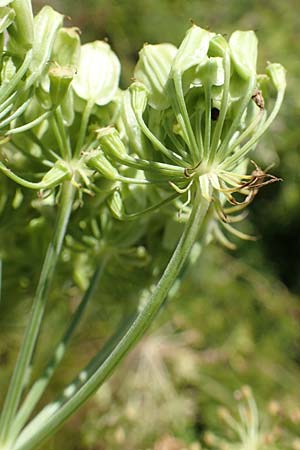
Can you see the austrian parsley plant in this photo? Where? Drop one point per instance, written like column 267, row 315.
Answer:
column 171, row 150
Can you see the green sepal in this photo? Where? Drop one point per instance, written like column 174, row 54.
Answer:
column 96, row 160
column 243, row 47
column 152, row 69
column 98, row 73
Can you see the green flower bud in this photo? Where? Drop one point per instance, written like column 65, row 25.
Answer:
column 98, row 73
column 59, row 172
column 96, row 160
column 192, row 51
column 110, row 142
column 60, row 80
column 22, row 30
column 152, row 69
column 66, row 49
column 139, row 97
column 18, row 199
column 7, row 16
column 116, row 205
column 243, row 47
column 277, row 74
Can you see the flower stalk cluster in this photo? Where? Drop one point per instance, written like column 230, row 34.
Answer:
column 172, row 149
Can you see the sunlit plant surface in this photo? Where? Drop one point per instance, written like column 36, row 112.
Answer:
column 119, row 170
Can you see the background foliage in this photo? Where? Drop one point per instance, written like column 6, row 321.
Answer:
column 235, row 321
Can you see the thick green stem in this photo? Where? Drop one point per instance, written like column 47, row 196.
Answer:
column 40, row 385
column 53, row 416
column 39, row 303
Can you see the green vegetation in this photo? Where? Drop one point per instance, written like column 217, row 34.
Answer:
column 121, row 176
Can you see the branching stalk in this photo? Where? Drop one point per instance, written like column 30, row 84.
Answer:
column 44, row 425
column 6, row 90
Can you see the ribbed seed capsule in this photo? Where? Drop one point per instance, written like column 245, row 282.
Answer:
column 116, row 205
column 59, row 172
column 97, row 161
column 111, row 142
column 139, row 97
column 60, row 80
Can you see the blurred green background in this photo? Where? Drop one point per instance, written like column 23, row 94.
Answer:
column 235, row 321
